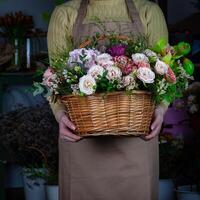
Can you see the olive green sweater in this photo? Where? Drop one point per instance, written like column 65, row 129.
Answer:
column 64, row 16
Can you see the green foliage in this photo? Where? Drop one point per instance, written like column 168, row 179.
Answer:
column 104, row 85
column 46, row 16
column 170, row 150
column 35, row 171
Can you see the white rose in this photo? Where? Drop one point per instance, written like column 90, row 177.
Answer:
column 139, row 57
column 104, row 58
column 146, row 75
column 128, row 80
column 161, row 67
column 87, row 84
column 113, row 73
column 95, row 71
column 150, row 53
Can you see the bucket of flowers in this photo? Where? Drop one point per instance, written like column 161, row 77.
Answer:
column 112, row 89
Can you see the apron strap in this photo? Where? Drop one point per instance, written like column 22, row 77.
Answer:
column 134, row 15
column 80, row 17
column 132, row 11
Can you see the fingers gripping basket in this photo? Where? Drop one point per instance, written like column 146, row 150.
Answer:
column 115, row 113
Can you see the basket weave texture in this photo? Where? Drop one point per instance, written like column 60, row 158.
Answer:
column 115, row 113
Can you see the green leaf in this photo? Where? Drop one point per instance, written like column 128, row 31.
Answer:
column 46, row 16
column 38, row 89
column 167, row 59
column 160, row 45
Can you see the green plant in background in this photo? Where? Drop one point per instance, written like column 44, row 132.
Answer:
column 170, row 150
column 46, row 14
column 188, row 167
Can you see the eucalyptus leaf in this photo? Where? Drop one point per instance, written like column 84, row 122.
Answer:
column 38, row 89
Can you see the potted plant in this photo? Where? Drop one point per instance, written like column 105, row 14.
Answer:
column 52, row 184
column 170, row 149
column 188, row 176
column 30, row 135
column 34, row 182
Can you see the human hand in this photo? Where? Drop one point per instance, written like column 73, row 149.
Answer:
column 156, row 124
column 66, row 127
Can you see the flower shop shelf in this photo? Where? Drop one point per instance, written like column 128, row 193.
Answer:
column 9, row 79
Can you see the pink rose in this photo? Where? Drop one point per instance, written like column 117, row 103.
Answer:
column 125, row 64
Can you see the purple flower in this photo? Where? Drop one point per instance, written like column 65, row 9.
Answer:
column 117, row 50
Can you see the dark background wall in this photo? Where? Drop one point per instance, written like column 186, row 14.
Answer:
column 29, row 7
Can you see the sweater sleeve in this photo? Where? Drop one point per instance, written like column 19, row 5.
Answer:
column 58, row 39
column 156, row 24
column 60, row 30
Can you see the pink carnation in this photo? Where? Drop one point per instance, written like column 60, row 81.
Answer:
column 170, row 76
column 48, row 73
column 48, row 76
column 125, row 64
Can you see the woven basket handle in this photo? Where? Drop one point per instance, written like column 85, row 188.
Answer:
column 103, row 37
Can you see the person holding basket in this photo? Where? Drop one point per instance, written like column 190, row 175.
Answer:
column 106, row 167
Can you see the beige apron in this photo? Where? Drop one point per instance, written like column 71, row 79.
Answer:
column 108, row 168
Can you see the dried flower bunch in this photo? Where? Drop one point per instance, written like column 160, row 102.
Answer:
column 15, row 25
column 28, row 131
column 16, row 19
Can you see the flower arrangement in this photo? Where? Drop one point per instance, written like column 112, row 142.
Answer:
column 123, row 64
column 111, row 83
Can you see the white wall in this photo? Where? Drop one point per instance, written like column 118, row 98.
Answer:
column 29, row 7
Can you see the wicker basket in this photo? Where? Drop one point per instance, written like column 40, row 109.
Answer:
column 115, row 113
